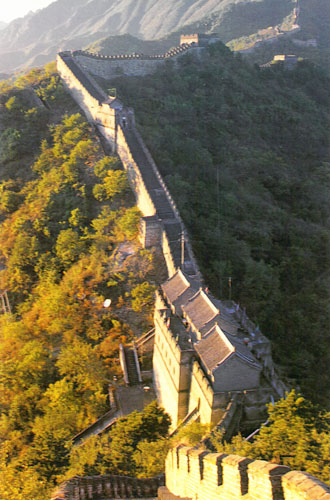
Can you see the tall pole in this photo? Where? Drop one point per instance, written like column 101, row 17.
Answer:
column 218, row 197
column 182, row 250
column 229, row 285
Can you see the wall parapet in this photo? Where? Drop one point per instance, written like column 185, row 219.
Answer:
column 109, row 486
column 192, row 473
column 170, row 53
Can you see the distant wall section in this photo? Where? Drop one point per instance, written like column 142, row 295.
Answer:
column 126, row 64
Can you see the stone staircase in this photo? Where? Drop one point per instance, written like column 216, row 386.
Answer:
column 155, row 189
column 172, row 226
column 131, row 366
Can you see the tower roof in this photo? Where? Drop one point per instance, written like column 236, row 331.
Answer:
column 215, row 348
column 179, row 289
column 203, row 311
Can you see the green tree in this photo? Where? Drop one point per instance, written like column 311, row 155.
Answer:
column 143, row 295
column 10, row 141
column 114, row 453
column 148, row 425
column 107, row 163
column 149, row 457
column 68, row 246
column 80, row 363
column 115, row 183
column 127, row 225
column 298, row 435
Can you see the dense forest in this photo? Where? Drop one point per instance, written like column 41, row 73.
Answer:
column 68, row 241
column 245, row 153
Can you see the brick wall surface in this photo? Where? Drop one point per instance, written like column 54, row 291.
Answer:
column 201, row 475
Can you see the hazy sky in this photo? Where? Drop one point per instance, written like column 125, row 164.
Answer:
column 11, row 9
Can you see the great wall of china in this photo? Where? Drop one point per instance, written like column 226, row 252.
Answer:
column 193, row 474
column 187, row 320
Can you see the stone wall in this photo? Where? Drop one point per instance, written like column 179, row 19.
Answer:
column 106, row 487
column 117, row 126
column 89, row 95
column 201, row 475
column 126, row 64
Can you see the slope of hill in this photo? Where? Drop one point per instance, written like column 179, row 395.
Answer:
column 309, row 38
column 37, row 37
column 68, row 231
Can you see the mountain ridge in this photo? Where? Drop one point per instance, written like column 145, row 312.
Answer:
column 36, row 38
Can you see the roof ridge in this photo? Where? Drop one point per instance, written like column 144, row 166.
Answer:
column 208, row 297
column 184, row 277
column 222, row 335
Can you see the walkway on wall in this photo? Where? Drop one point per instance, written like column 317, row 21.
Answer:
column 130, row 364
column 165, row 212
column 175, row 241
column 156, row 191
column 102, row 424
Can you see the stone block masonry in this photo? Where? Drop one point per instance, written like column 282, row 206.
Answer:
column 201, row 475
column 127, row 64
column 107, row 487
column 140, row 64
column 194, row 474
column 161, row 226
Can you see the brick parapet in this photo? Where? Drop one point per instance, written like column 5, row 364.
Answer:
column 198, row 474
column 158, row 175
column 124, row 57
column 144, row 200
column 108, row 486
column 171, row 202
column 299, row 485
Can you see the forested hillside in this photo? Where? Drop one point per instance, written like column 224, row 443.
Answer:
column 68, row 241
column 245, row 153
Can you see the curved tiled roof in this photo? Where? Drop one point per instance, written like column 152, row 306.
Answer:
column 215, row 348
column 180, row 288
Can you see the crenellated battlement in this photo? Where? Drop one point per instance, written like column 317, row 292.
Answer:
column 197, row 474
column 110, row 66
column 192, row 473
column 106, row 487
column 170, row 53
